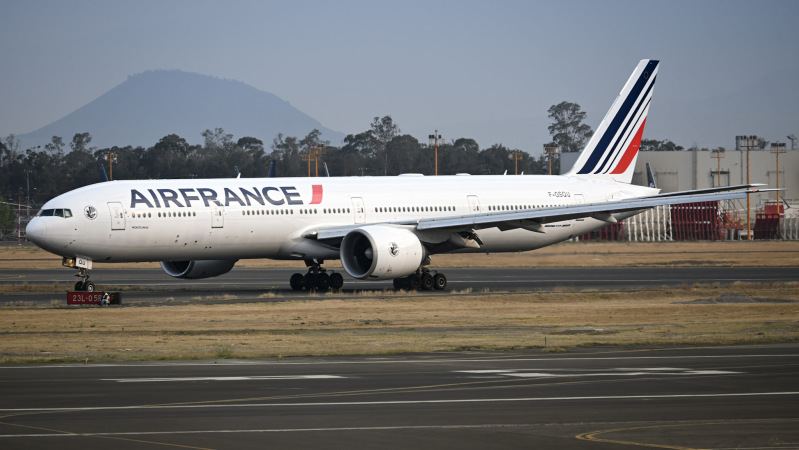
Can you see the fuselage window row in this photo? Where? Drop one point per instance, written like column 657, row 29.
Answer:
column 394, row 209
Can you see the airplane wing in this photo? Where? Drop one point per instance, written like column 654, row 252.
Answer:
column 532, row 219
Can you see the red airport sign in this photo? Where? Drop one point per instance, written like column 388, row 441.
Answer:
column 92, row 298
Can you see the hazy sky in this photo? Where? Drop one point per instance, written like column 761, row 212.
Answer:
column 481, row 69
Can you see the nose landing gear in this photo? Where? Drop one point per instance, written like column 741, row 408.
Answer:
column 83, row 265
column 84, row 285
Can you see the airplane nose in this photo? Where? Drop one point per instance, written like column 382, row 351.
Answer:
column 36, row 231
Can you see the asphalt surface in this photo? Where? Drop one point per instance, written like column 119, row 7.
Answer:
column 153, row 285
column 684, row 398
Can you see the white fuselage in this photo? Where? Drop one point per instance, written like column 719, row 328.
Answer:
column 171, row 220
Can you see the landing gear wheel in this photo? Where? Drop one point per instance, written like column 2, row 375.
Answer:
column 439, row 282
column 426, row 282
column 84, row 285
column 297, row 281
column 414, row 281
column 317, row 278
column 323, row 282
column 309, row 281
column 336, row 281
column 399, row 283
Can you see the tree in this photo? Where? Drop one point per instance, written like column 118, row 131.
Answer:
column 286, row 152
column 251, row 144
column 568, row 129
column 56, row 145
column 169, row 158
column 384, row 130
column 80, row 143
column 217, row 139
column 653, row 145
column 406, row 155
column 8, row 217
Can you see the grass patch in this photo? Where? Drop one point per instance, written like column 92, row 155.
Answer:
column 399, row 323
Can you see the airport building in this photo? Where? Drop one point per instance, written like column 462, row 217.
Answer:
column 697, row 169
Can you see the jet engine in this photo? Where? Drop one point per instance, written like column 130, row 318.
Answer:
column 198, row 269
column 380, row 252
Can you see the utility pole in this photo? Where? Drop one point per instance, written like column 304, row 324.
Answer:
column 551, row 151
column 111, row 157
column 747, row 142
column 515, row 156
column 313, row 155
column 719, row 155
column 316, row 152
column 777, row 148
column 19, row 221
column 28, row 193
column 433, row 142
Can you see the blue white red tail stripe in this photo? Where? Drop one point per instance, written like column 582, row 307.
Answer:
column 613, row 149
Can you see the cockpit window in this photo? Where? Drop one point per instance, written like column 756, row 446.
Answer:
column 55, row 212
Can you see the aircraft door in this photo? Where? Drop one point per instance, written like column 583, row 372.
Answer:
column 358, row 209
column 117, row 215
column 579, row 199
column 218, row 216
column 474, row 204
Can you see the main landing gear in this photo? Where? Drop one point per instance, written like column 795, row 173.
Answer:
column 423, row 279
column 317, row 278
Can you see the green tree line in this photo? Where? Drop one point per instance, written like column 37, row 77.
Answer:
column 41, row 173
column 36, row 175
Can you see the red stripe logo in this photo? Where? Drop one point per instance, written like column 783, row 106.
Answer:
column 631, row 151
column 317, row 194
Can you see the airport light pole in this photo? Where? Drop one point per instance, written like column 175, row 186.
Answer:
column 111, row 157
column 313, row 155
column 28, row 192
column 718, row 154
column 777, row 148
column 515, row 156
column 551, row 151
column 433, row 142
column 747, row 142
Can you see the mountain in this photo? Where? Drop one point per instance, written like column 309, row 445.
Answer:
column 154, row 104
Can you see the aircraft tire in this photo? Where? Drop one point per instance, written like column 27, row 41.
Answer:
column 414, row 282
column 297, row 282
column 427, row 282
column 323, row 282
column 336, row 281
column 439, row 282
column 79, row 286
column 88, row 286
column 309, row 281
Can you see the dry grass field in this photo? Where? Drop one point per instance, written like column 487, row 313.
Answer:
column 389, row 322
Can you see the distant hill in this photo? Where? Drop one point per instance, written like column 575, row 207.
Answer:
column 153, row 104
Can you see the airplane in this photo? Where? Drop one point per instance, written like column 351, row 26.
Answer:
column 381, row 228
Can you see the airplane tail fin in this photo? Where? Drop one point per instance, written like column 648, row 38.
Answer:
column 611, row 152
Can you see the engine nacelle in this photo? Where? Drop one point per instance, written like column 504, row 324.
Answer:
column 381, row 253
column 206, row 268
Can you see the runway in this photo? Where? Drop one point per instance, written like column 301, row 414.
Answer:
column 725, row 397
column 153, row 285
